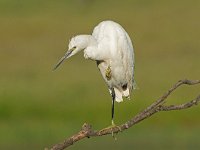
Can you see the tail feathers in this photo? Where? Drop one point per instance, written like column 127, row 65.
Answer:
column 126, row 93
column 118, row 95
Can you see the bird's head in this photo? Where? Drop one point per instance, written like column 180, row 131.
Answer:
column 76, row 44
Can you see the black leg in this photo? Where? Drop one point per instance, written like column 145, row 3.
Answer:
column 113, row 105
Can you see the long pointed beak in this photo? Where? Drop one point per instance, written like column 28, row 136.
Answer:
column 67, row 54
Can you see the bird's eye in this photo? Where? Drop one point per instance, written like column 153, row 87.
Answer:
column 73, row 48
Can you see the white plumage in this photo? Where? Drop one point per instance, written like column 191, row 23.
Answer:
column 117, row 47
column 111, row 47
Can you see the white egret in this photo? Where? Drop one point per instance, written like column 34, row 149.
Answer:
column 111, row 47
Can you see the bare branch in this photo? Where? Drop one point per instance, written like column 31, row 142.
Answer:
column 181, row 106
column 157, row 106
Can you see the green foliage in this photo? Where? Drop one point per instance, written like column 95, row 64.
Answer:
column 39, row 107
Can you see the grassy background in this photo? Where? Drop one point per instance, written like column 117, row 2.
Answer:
column 39, row 107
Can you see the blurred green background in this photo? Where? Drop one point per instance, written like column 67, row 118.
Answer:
column 39, row 108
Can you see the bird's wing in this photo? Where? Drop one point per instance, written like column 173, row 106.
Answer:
column 127, row 56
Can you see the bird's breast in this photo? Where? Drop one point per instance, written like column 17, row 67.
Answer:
column 112, row 73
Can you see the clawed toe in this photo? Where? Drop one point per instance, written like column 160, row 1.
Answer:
column 114, row 126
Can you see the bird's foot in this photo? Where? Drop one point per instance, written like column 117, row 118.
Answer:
column 115, row 126
column 112, row 127
column 108, row 73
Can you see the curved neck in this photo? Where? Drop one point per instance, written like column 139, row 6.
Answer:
column 88, row 40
